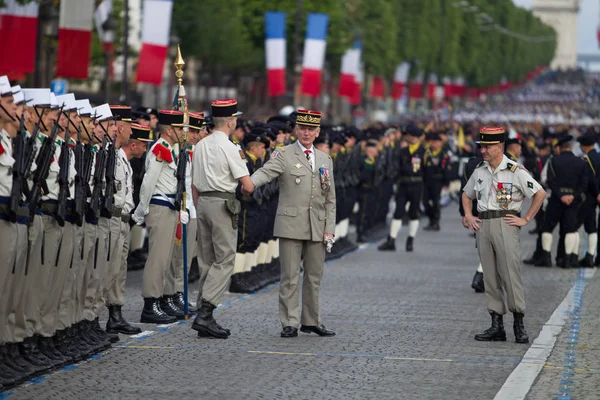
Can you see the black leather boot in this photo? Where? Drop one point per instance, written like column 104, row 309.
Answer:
column 205, row 322
column 31, row 353
column 78, row 343
column 477, row 283
column 153, row 314
column 587, row 261
column 573, row 260
column 10, row 370
column 180, row 303
column 519, row 329
column 409, row 243
column 7, row 378
column 18, row 363
column 46, row 346
column 117, row 324
column 534, row 257
column 388, row 245
column 495, row 332
column 168, row 306
column 62, row 343
column 544, row 260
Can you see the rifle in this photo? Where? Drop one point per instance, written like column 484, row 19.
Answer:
column 19, row 173
column 63, row 180
column 98, row 178
column 180, row 174
column 80, row 182
column 109, row 176
column 43, row 161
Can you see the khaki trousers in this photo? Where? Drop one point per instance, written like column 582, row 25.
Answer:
column 65, row 277
column 13, row 254
column 113, row 265
column 115, row 296
column 50, row 277
column 290, row 254
column 217, row 240
column 34, row 286
column 69, row 313
column 161, row 223
column 174, row 278
column 95, row 269
column 500, row 254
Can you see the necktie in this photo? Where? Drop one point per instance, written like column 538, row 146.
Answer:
column 307, row 152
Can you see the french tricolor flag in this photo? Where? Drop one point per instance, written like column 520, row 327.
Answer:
column 415, row 89
column 350, row 71
column 155, row 40
column 400, row 79
column 378, row 88
column 275, row 52
column 74, row 38
column 18, row 34
column 314, row 54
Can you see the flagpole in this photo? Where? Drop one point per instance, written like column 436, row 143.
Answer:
column 182, row 105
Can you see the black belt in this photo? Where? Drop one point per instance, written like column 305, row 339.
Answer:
column 116, row 211
column 496, row 214
column 125, row 218
column 411, row 179
column 220, row 195
column 49, row 207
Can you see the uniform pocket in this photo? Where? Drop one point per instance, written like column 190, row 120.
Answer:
column 288, row 211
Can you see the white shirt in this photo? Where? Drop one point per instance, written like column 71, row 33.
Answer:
column 54, row 171
column 122, row 180
column 160, row 180
column 6, row 163
column 312, row 154
column 485, row 186
column 217, row 164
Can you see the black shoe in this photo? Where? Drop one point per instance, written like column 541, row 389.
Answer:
column 206, row 323
column 31, row 353
column 204, row 334
column 113, row 337
column 63, row 345
column 573, row 260
column 117, row 324
column 519, row 329
column 168, row 306
column 180, row 303
column 597, row 262
column 77, row 341
column 319, row 330
column 16, row 362
column 477, row 283
column 534, row 258
column 587, row 261
column 153, row 314
column 361, row 239
column 409, row 243
column 90, row 336
column 46, row 346
column 8, row 378
column 495, row 332
column 289, row 331
column 101, row 333
column 433, row 226
column 388, row 245
column 544, row 260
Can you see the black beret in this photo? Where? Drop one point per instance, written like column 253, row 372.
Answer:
column 563, row 138
column 413, row 130
column 256, row 135
column 433, row 136
column 589, row 139
column 323, row 138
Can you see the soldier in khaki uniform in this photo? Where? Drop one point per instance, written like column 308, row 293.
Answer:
column 305, row 221
column 216, row 169
column 500, row 186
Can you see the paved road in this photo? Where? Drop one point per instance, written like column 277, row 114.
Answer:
column 405, row 324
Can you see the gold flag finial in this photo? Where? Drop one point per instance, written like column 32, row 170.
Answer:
column 179, row 63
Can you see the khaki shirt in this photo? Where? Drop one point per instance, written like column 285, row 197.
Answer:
column 6, row 163
column 217, row 164
column 54, row 171
column 124, row 182
column 503, row 189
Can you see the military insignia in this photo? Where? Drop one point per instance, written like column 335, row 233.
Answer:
column 325, row 180
column 274, row 153
column 416, row 164
column 504, row 194
column 298, row 181
column 530, row 185
column 298, row 165
column 435, row 161
column 480, row 181
column 119, row 186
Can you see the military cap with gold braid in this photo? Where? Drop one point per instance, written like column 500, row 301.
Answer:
column 308, row 118
column 122, row 113
column 491, row 135
column 170, row 117
column 224, row 108
column 140, row 132
column 197, row 120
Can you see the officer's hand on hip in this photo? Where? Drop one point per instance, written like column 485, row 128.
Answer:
column 514, row 220
column 473, row 223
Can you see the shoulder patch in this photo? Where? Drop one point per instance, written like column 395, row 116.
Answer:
column 514, row 167
column 530, row 184
column 274, row 153
column 162, row 153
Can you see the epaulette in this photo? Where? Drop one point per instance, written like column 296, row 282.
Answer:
column 162, row 153
column 512, row 167
column 1, row 149
column 480, row 164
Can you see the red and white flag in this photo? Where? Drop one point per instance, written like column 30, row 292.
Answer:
column 431, row 85
column 350, row 71
column 378, row 88
column 156, row 26
column 18, row 36
column 400, row 79
column 74, row 38
column 275, row 52
column 314, row 54
column 415, row 89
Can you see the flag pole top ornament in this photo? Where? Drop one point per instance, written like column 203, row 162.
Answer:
column 179, row 64
column 181, row 101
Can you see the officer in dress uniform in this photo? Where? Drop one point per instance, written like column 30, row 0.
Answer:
column 409, row 189
column 437, row 169
column 587, row 211
column 13, row 252
column 157, row 209
column 305, row 222
column 500, row 186
column 568, row 180
column 216, row 170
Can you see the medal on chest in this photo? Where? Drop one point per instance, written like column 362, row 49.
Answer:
column 416, row 164
column 324, row 177
column 504, row 194
column 435, row 161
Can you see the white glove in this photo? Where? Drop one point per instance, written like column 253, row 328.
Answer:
column 138, row 216
column 184, row 217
